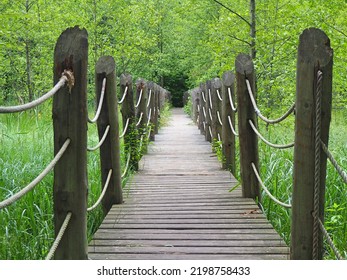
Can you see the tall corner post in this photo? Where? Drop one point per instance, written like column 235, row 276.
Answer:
column 315, row 62
column 70, row 122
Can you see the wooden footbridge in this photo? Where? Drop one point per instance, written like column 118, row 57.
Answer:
column 182, row 203
column 179, row 206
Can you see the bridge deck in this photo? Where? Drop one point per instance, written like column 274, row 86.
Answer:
column 178, row 206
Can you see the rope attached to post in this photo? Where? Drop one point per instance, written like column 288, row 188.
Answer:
column 38, row 179
column 124, row 95
column 103, row 138
column 67, row 77
column 101, row 102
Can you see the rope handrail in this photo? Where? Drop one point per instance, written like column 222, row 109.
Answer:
column 204, row 111
column 218, row 94
column 232, row 127
column 338, row 168
column 277, row 146
column 149, row 116
column 101, row 141
column 67, row 77
column 103, row 191
column 140, row 119
column 329, row 240
column 140, row 98
column 219, row 118
column 266, row 190
column 210, row 98
column 317, row 166
column 233, row 107
column 101, row 101
column 124, row 95
column 203, row 96
column 59, row 236
column 126, row 166
column 210, row 113
column 257, row 111
column 125, row 129
column 38, row 179
column 149, row 98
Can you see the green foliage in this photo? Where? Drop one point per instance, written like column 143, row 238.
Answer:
column 188, row 107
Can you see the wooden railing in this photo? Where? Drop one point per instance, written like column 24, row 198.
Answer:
column 213, row 110
column 70, row 123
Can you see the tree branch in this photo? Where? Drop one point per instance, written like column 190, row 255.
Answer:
column 240, row 40
column 235, row 13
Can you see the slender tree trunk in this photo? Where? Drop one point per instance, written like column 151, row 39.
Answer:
column 253, row 29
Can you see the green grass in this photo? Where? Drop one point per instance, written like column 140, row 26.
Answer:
column 276, row 168
column 26, row 141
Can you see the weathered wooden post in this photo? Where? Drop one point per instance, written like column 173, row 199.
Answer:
column 70, row 122
column 150, row 109
column 208, row 128
column 247, row 138
column 228, row 119
column 313, row 90
column 156, row 108
column 202, row 110
column 217, row 92
column 213, row 102
column 195, row 104
column 110, row 150
column 128, row 116
column 141, row 113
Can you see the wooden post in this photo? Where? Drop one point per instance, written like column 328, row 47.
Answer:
column 247, row 138
column 228, row 137
column 217, row 93
column 195, row 103
column 314, row 54
column 202, row 119
column 150, row 109
column 141, row 109
column 70, row 122
column 141, row 112
column 128, row 112
column 156, row 108
column 208, row 128
column 213, row 102
column 110, row 150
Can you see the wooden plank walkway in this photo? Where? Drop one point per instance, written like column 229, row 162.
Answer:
column 178, row 206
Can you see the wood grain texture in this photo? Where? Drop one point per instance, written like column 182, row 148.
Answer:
column 178, row 206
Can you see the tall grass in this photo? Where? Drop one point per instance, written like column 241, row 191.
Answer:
column 26, row 141
column 276, row 168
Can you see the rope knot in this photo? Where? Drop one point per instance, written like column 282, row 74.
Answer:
column 68, row 74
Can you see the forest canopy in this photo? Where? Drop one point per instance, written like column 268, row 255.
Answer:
column 177, row 44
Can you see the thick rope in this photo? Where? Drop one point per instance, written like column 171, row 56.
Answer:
column 101, row 141
column 329, row 240
column 198, row 108
column 101, row 102
column 277, row 146
column 218, row 94
column 232, row 127
column 149, row 98
column 59, row 236
column 125, row 129
column 124, row 95
column 102, row 193
column 209, row 97
column 140, row 119
column 338, row 168
column 219, row 119
column 149, row 116
column 203, row 96
column 257, row 111
column 267, row 191
column 317, row 170
column 204, row 111
column 210, row 113
column 65, row 78
column 127, row 165
column 38, row 179
column 140, row 98
column 233, row 107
